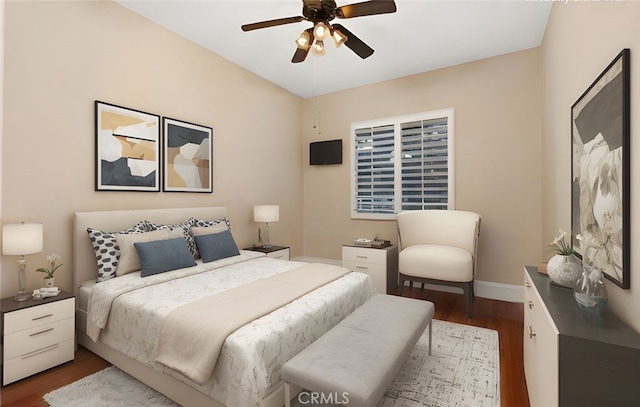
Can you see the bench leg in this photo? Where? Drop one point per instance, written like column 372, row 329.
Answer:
column 287, row 394
column 430, row 336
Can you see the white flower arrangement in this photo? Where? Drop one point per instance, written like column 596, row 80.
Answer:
column 595, row 255
column 52, row 259
column 560, row 246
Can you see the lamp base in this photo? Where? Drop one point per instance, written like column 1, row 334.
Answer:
column 22, row 297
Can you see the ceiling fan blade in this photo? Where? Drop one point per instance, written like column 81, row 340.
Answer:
column 300, row 55
column 355, row 43
column 271, row 23
column 366, row 8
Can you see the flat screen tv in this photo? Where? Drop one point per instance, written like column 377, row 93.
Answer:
column 325, row 152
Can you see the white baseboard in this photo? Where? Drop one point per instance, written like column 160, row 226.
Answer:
column 486, row 289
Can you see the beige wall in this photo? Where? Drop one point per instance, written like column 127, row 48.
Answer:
column 497, row 153
column 61, row 56
column 580, row 41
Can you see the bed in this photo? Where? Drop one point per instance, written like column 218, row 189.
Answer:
column 124, row 319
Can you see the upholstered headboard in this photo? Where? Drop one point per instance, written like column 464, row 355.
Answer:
column 84, row 259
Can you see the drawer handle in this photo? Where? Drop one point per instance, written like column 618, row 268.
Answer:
column 362, row 267
column 41, row 332
column 527, row 284
column 42, row 317
column 39, row 351
column 277, row 257
column 362, row 257
column 532, row 333
column 530, row 304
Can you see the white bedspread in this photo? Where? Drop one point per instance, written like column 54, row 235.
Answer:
column 250, row 361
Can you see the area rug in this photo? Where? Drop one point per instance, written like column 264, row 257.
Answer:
column 463, row 371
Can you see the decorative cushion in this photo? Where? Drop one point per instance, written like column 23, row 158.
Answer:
column 216, row 246
column 202, row 223
column 185, row 227
column 163, row 255
column 209, row 223
column 129, row 260
column 107, row 250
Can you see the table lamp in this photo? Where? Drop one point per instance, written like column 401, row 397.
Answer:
column 266, row 213
column 20, row 239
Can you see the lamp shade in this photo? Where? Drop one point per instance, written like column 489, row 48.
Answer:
column 266, row 213
column 22, row 238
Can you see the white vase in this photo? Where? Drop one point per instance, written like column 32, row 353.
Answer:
column 50, row 282
column 564, row 270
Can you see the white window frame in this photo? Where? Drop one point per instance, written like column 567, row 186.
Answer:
column 397, row 121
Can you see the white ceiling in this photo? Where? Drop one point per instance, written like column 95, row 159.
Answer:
column 421, row 36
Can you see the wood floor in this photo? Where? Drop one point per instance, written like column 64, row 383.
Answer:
column 504, row 317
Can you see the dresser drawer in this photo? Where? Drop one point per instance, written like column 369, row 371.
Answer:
column 36, row 316
column 364, row 255
column 540, row 349
column 37, row 361
column 39, row 337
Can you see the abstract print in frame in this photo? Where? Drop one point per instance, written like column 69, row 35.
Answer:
column 127, row 149
column 187, row 157
column 600, row 201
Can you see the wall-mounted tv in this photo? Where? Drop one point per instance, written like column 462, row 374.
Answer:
column 325, row 152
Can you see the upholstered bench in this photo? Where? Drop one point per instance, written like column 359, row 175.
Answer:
column 358, row 359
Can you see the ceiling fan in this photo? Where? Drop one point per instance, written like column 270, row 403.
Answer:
column 320, row 13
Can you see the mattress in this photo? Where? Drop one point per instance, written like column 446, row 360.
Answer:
column 251, row 358
column 84, row 292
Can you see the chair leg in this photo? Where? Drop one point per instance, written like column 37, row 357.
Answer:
column 468, row 293
column 430, row 335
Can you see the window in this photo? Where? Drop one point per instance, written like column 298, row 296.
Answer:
column 402, row 163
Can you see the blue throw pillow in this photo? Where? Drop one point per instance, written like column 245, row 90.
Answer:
column 164, row 255
column 216, row 246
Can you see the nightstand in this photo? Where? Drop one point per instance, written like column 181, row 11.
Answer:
column 380, row 264
column 275, row 252
column 36, row 335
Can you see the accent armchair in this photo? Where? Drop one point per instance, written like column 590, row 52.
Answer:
column 439, row 247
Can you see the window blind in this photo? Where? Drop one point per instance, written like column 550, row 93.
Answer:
column 425, row 157
column 374, row 169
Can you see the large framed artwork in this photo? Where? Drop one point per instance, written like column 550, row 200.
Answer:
column 187, row 157
column 600, row 199
column 127, row 149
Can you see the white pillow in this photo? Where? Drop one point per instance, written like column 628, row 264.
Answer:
column 208, row 230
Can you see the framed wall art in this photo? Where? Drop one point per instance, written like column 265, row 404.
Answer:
column 127, row 149
column 600, row 199
column 187, row 157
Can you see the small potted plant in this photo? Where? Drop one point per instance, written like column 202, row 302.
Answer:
column 564, row 268
column 49, row 279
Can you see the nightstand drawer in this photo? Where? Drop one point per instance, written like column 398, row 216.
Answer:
column 364, row 255
column 279, row 254
column 37, row 361
column 377, row 272
column 37, row 316
column 32, row 339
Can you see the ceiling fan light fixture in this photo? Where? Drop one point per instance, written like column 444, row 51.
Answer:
column 338, row 37
column 304, row 41
column 321, row 31
column 317, row 49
